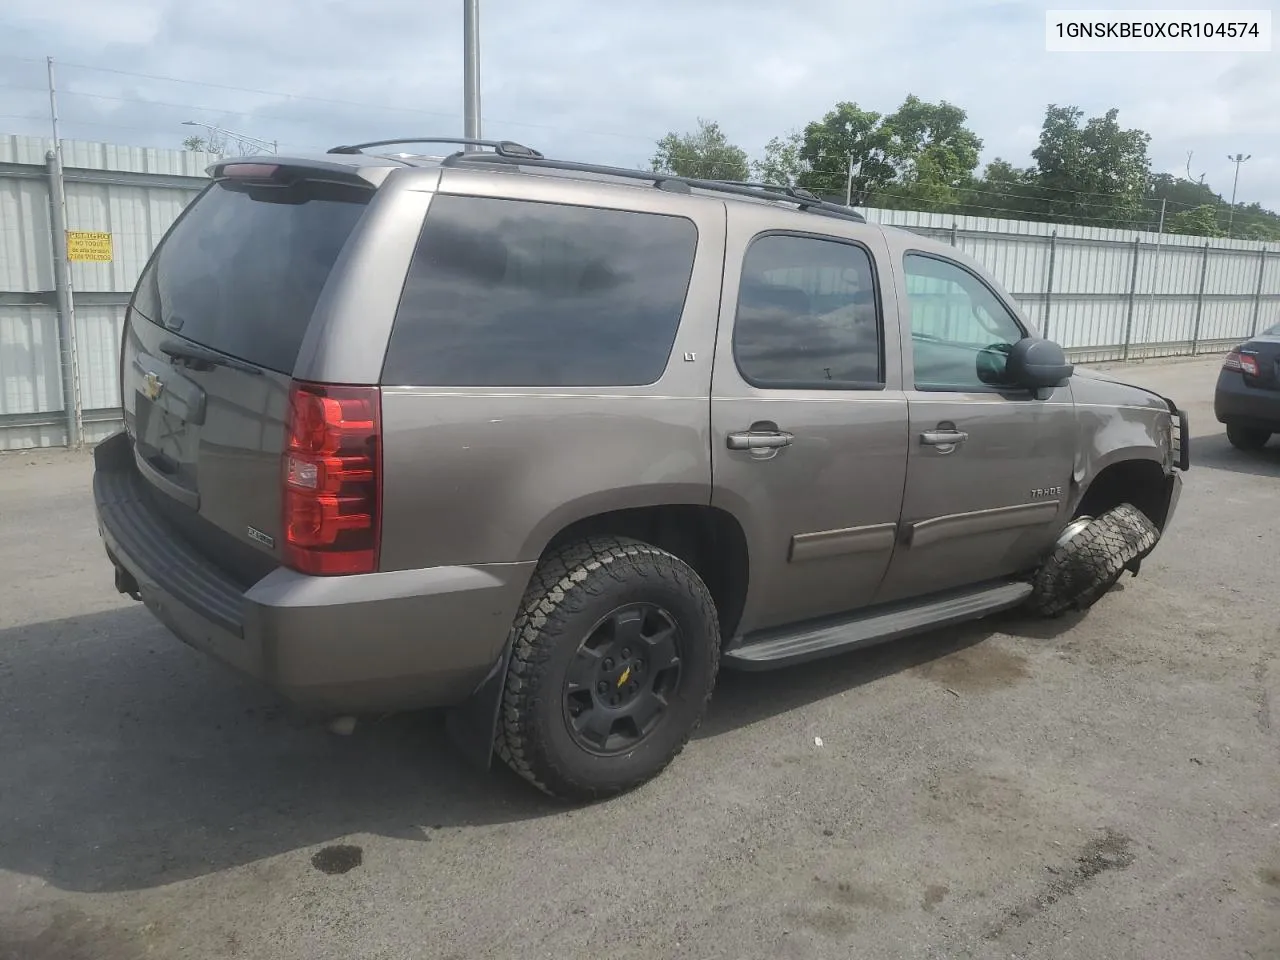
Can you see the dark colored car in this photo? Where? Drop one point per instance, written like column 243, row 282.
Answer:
column 1247, row 398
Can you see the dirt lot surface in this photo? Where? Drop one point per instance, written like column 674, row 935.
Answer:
column 1105, row 786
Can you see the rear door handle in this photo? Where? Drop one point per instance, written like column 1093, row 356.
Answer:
column 943, row 438
column 749, row 440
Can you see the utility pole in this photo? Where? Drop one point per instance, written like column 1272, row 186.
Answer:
column 73, row 412
column 471, row 70
column 848, row 186
column 1238, row 159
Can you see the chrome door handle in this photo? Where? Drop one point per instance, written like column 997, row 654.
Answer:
column 748, row 440
column 943, row 438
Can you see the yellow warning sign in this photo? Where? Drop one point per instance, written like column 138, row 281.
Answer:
column 83, row 245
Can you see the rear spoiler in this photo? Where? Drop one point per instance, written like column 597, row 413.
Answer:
column 282, row 171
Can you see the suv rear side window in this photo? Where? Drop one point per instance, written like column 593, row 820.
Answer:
column 521, row 294
column 243, row 268
column 807, row 315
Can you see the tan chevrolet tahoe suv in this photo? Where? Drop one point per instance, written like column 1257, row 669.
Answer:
column 547, row 444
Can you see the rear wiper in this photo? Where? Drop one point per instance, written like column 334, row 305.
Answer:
column 200, row 359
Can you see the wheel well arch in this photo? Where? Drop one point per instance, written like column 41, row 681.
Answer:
column 1138, row 481
column 707, row 538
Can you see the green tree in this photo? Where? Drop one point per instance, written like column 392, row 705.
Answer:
column 194, row 144
column 920, row 154
column 1253, row 222
column 1201, row 221
column 1093, row 172
column 847, row 135
column 705, row 153
column 930, row 143
column 934, row 155
column 1180, row 192
column 1003, row 190
column 783, row 161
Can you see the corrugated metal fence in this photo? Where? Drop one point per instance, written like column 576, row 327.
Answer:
column 134, row 194
column 1104, row 294
column 1115, row 294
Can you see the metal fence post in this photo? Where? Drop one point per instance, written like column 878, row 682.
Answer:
column 1257, row 294
column 69, row 355
column 1048, row 283
column 1204, row 274
column 1133, row 291
column 953, row 233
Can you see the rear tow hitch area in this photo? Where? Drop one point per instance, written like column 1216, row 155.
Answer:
column 126, row 584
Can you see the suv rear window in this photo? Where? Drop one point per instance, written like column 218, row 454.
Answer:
column 522, row 294
column 243, row 267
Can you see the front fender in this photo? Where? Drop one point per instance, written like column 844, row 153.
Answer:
column 1117, row 422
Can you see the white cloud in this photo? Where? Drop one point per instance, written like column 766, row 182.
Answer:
column 604, row 81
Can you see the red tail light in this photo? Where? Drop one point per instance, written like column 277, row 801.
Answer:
column 1246, row 363
column 330, row 471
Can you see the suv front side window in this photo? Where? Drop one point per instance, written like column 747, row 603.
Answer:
column 807, row 315
column 960, row 330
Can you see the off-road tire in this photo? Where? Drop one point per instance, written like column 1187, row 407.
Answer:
column 571, row 590
column 1084, row 568
column 1247, row 438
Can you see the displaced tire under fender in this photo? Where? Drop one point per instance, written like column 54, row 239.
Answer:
column 1087, row 564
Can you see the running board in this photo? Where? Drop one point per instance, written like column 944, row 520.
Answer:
column 777, row 648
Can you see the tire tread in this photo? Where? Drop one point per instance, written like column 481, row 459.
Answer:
column 1081, row 570
column 562, row 583
column 1247, row 438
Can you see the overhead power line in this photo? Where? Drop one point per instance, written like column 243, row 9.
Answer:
column 831, row 181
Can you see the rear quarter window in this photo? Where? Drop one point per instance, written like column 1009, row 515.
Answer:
column 522, row 294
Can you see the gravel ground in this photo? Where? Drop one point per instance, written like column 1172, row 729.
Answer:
column 1105, row 786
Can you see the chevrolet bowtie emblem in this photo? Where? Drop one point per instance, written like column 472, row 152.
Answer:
column 152, row 385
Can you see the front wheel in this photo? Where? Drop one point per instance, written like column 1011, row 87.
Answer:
column 1247, row 438
column 1090, row 558
column 615, row 654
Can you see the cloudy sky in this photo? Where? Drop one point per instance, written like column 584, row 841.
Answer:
column 603, row 80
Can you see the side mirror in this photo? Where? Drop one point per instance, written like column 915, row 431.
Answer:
column 1037, row 364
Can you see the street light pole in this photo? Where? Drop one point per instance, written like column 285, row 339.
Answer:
column 471, row 70
column 1238, row 159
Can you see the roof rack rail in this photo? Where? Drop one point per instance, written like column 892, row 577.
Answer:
column 802, row 198
column 799, row 193
column 508, row 149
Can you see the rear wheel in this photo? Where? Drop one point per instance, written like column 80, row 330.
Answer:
column 615, row 654
column 1247, row 438
column 1089, row 559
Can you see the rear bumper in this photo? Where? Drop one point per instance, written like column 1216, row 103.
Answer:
column 1236, row 402
column 385, row 641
